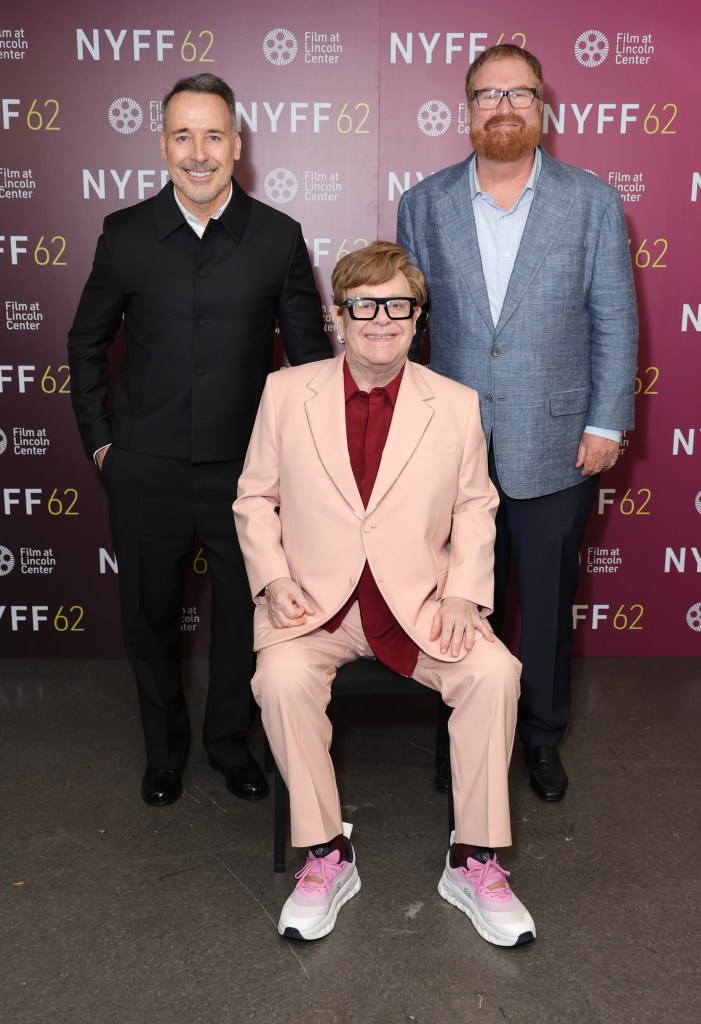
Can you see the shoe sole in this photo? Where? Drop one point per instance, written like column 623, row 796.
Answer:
column 447, row 890
column 344, row 894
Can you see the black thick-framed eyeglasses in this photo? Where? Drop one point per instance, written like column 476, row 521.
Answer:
column 519, row 98
column 397, row 307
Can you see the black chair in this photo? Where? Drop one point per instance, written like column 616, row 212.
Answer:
column 366, row 677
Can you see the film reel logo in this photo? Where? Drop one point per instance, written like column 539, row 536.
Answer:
column 7, row 561
column 280, row 185
column 280, row 47
column 591, row 48
column 125, row 115
column 3, row 442
column 434, row 118
column 693, row 618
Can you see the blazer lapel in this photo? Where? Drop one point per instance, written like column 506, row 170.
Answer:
column 412, row 415
column 551, row 204
column 326, row 415
column 457, row 222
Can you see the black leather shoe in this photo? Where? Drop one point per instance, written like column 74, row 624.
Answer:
column 161, row 787
column 442, row 781
column 548, row 777
column 244, row 780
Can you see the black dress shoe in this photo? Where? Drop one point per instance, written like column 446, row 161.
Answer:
column 548, row 777
column 161, row 787
column 244, row 780
column 442, row 781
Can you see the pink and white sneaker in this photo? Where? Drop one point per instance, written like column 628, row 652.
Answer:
column 481, row 891
column 325, row 884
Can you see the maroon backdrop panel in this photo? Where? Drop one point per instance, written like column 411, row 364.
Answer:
column 340, row 110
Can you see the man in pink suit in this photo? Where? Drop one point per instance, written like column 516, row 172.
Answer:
column 365, row 516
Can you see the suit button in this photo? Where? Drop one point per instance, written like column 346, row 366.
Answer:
column 201, row 273
column 201, row 321
column 496, row 351
column 487, row 398
column 200, row 370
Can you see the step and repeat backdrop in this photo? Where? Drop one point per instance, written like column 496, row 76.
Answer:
column 341, row 108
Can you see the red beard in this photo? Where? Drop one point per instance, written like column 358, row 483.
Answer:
column 505, row 147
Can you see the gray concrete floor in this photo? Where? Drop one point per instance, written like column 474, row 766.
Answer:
column 112, row 912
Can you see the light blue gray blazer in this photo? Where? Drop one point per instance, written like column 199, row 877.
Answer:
column 563, row 354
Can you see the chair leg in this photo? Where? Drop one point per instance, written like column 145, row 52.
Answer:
column 279, row 823
column 442, row 781
column 451, row 809
column 442, row 738
column 268, row 759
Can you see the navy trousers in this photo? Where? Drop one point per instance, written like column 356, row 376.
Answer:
column 540, row 538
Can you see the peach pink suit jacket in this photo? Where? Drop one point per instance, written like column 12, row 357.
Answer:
column 427, row 532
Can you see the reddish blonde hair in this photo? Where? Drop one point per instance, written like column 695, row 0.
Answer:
column 375, row 264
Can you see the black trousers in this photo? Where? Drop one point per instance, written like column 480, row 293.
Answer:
column 540, row 538
column 158, row 507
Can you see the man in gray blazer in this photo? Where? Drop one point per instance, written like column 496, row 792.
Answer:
column 531, row 289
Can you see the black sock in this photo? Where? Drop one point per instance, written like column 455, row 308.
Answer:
column 339, row 843
column 459, row 852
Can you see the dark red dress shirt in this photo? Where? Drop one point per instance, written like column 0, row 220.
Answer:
column 368, row 419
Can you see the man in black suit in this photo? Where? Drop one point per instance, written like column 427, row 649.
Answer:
column 199, row 274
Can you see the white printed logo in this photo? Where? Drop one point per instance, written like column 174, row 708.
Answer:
column 7, row 561
column 693, row 618
column 125, row 115
column 591, row 48
column 697, row 502
column 280, row 185
column 3, row 441
column 280, row 47
column 434, row 118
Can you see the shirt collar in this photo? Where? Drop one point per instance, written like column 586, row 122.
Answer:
column 475, row 189
column 350, row 388
column 193, row 221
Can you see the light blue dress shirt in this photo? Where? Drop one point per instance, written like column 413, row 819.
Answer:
column 499, row 234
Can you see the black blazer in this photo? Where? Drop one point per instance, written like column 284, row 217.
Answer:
column 199, row 322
